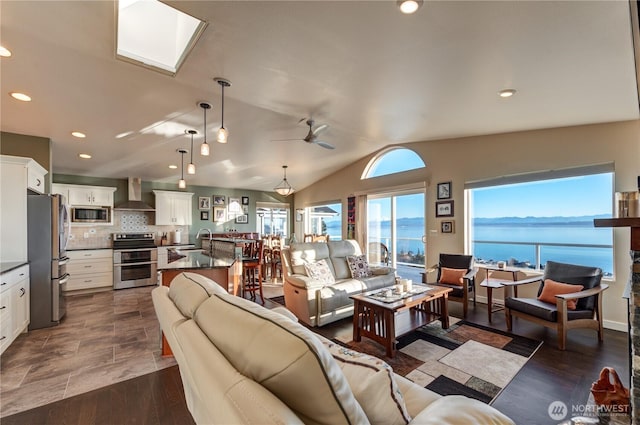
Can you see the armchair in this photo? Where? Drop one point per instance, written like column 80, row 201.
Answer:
column 378, row 253
column 587, row 312
column 457, row 272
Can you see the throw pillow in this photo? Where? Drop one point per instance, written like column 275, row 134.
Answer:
column 452, row 276
column 373, row 384
column 552, row 288
column 320, row 271
column 359, row 266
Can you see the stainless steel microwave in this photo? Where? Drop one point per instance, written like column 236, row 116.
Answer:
column 91, row 214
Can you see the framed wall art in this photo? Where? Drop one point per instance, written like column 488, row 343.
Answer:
column 447, row 226
column 243, row 219
column 219, row 214
column 204, row 203
column 444, row 190
column 218, row 199
column 444, row 209
column 204, row 215
column 245, row 200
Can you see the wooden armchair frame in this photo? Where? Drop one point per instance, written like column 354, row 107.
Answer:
column 563, row 324
column 469, row 282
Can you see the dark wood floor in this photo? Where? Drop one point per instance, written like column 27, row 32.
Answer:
column 158, row 398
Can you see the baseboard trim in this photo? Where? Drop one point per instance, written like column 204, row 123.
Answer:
column 608, row 324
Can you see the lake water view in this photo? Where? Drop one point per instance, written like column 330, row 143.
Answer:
column 542, row 230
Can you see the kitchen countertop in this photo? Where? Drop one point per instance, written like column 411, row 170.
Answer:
column 7, row 266
column 93, row 248
column 193, row 259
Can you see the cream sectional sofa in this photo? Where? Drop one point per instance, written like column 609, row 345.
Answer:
column 316, row 303
column 243, row 364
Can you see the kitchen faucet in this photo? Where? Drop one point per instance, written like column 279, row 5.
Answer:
column 210, row 236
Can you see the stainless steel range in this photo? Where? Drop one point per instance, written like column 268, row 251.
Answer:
column 135, row 260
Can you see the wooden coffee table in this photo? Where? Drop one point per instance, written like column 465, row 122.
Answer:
column 384, row 321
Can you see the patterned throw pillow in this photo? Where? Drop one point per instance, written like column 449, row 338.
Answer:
column 359, row 266
column 320, row 271
column 373, row 384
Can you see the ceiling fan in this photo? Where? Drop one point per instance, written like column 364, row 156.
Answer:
column 312, row 136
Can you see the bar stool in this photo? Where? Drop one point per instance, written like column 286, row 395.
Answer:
column 252, row 269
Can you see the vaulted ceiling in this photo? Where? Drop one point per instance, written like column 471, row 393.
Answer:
column 375, row 76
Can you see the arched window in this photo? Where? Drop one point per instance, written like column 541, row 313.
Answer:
column 391, row 161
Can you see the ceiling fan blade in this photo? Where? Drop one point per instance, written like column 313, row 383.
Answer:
column 324, row 144
column 319, row 129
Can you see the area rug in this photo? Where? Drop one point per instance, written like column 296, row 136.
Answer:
column 466, row 359
column 279, row 299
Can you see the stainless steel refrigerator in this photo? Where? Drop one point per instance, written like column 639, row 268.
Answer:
column 48, row 232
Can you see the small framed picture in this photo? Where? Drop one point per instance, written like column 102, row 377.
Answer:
column 299, row 214
column 245, row 209
column 447, row 226
column 204, row 215
column 244, row 218
column 219, row 214
column 444, row 209
column 218, row 199
column 444, row 190
column 204, row 203
column 245, row 200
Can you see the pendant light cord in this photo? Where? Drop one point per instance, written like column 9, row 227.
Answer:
column 191, row 148
column 222, row 105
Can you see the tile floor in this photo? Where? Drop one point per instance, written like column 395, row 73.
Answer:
column 106, row 337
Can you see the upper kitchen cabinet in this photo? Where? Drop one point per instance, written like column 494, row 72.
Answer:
column 173, row 208
column 91, row 195
column 17, row 175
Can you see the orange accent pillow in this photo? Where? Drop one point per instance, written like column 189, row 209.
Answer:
column 452, row 276
column 552, row 288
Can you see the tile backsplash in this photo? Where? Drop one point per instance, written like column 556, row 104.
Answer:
column 93, row 237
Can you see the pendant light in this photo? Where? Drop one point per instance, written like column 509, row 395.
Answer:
column 182, row 184
column 223, row 134
column 284, row 188
column 204, row 148
column 191, row 168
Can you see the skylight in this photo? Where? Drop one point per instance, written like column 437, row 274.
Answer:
column 155, row 35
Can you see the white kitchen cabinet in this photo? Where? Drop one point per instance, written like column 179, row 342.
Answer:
column 14, row 305
column 14, row 181
column 91, row 195
column 89, row 269
column 173, row 208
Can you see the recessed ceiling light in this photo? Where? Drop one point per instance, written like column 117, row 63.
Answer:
column 20, row 96
column 125, row 134
column 409, row 6
column 84, row 156
column 78, row 134
column 4, row 52
column 173, row 167
column 506, row 93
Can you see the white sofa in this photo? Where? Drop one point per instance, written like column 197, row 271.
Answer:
column 243, row 364
column 316, row 303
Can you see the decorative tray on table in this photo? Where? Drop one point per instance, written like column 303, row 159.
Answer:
column 390, row 295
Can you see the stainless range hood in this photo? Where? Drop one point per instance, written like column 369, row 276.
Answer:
column 135, row 198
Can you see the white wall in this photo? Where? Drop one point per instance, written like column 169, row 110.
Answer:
column 478, row 158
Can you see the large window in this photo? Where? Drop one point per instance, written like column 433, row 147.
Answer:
column 526, row 224
column 272, row 219
column 325, row 220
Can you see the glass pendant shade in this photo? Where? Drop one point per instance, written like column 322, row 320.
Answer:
column 182, row 184
column 222, row 135
column 191, row 168
column 204, row 149
column 284, row 188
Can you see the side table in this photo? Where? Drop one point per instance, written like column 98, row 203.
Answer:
column 492, row 283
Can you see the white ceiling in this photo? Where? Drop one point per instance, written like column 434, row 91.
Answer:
column 376, row 76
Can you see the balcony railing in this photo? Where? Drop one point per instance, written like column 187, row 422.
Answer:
column 535, row 254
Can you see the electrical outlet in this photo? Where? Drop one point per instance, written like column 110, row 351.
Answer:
column 86, row 235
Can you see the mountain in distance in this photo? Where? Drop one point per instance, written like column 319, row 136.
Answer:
column 480, row 221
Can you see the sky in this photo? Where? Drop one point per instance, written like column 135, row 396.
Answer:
column 574, row 196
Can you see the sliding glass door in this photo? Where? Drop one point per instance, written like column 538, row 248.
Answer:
column 396, row 222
